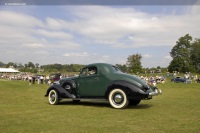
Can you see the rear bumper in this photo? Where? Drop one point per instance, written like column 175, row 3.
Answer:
column 156, row 92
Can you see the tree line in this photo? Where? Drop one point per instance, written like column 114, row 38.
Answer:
column 133, row 65
column 62, row 68
column 34, row 68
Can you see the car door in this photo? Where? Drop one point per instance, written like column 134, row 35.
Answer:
column 90, row 83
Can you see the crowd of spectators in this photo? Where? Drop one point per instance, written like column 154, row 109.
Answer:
column 153, row 80
column 35, row 78
column 49, row 79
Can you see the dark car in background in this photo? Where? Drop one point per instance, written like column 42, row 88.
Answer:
column 54, row 77
column 102, row 81
column 180, row 79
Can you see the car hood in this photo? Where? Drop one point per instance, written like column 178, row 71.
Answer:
column 70, row 78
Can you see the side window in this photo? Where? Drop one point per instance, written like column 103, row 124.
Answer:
column 89, row 71
column 92, row 71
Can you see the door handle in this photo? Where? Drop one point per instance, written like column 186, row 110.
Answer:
column 96, row 78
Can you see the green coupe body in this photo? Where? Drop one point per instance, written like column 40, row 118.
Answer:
column 102, row 81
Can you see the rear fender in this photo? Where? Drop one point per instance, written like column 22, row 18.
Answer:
column 131, row 90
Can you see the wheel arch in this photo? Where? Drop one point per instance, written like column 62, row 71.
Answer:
column 124, row 85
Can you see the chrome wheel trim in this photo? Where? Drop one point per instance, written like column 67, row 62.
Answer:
column 118, row 98
column 53, row 97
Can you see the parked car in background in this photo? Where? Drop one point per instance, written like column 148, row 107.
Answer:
column 54, row 77
column 105, row 82
column 180, row 79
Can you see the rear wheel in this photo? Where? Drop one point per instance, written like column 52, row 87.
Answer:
column 53, row 97
column 118, row 99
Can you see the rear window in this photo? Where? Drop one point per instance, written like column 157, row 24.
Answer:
column 116, row 69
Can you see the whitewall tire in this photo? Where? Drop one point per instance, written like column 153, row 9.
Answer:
column 53, row 97
column 118, row 99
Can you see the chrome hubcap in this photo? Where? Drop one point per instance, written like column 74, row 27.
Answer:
column 118, row 98
column 52, row 97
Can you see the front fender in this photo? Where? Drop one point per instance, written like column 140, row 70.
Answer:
column 132, row 91
column 61, row 91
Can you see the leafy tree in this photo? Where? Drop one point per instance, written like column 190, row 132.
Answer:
column 20, row 65
column 37, row 65
column 58, row 67
column 123, row 68
column 11, row 64
column 30, row 65
column 175, row 65
column 164, row 70
column 76, row 67
column 181, row 55
column 134, row 63
column 158, row 67
column 145, row 70
column 26, row 65
column 2, row 64
column 195, row 54
column 34, row 70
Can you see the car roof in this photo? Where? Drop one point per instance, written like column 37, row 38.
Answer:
column 99, row 64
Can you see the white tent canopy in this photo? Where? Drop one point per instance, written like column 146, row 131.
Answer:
column 8, row 70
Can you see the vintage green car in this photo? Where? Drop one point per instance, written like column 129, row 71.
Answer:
column 102, row 81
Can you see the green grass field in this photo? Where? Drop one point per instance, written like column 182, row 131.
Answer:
column 24, row 109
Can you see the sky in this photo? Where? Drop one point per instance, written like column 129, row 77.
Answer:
column 85, row 34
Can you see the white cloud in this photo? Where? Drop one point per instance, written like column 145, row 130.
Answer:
column 56, row 24
column 105, row 58
column 34, row 45
column 146, row 56
column 85, row 54
column 167, row 57
column 13, row 35
column 126, row 27
column 65, row 44
column 18, row 19
column 54, row 34
column 19, row 29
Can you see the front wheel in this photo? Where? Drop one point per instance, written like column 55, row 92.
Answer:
column 53, row 97
column 118, row 99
